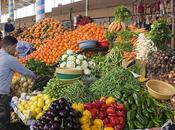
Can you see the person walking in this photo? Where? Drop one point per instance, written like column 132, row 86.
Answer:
column 8, row 27
column 8, row 65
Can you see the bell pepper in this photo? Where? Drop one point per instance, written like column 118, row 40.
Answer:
column 109, row 100
column 87, row 114
column 120, row 107
column 84, row 120
column 94, row 127
column 85, row 127
column 108, row 128
column 98, row 123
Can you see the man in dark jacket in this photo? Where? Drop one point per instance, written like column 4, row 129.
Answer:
column 9, row 27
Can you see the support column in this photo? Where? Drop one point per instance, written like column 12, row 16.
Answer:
column 87, row 7
column 11, row 10
column 40, row 10
column 173, row 22
column 0, row 13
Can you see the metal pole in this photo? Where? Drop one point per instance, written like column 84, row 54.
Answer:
column 0, row 13
column 40, row 10
column 87, row 5
column 11, row 10
column 173, row 22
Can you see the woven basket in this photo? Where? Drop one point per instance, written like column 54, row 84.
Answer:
column 160, row 90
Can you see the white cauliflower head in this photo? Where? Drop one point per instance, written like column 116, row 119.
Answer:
column 63, row 58
column 87, row 71
column 63, row 64
column 70, row 64
column 70, row 52
column 71, row 58
column 80, row 57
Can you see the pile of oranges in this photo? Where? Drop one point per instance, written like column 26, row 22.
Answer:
column 55, row 48
column 42, row 31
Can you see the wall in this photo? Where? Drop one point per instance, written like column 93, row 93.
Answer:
column 97, row 8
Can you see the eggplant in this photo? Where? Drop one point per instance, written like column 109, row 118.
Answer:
column 62, row 101
column 77, row 126
column 75, row 120
column 69, row 125
column 55, row 126
column 63, row 113
column 69, row 119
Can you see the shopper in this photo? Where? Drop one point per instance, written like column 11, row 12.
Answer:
column 1, row 36
column 8, row 66
column 8, row 27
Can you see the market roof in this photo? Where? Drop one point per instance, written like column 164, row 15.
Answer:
column 18, row 4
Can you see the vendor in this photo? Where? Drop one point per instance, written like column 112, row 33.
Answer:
column 1, row 36
column 8, row 66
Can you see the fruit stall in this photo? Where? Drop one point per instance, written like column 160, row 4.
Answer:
column 93, row 78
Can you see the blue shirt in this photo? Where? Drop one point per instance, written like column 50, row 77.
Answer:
column 9, row 65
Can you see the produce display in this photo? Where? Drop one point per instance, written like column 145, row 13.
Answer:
column 105, row 114
column 54, row 88
column 40, row 68
column 78, row 61
column 161, row 34
column 40, row 83
column 77, row 92
column 144, row 47
column 160, row 62
column 121, row 14
column 108, row 95
column 35, row 106
column 59, row 116
column 21, row 84
column 55, row 48
column 41, row 31
column 168, row 77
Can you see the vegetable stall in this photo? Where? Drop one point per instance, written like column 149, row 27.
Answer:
column 101, row 90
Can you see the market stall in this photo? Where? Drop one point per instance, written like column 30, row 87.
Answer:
column 80, row 87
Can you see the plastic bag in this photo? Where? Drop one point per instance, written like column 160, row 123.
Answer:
column 23, row 48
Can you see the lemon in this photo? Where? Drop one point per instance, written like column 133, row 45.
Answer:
column 39, row 115
column 38, row 110
column 45, row 108
column 40, row 104
column 46, row 97
column 39, row 95
column 48, row 102
column 34, row 98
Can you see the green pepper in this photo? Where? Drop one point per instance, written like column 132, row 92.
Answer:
column 130, row 125
column 134, row 107
column 140, row 119
column 138, row 125
column 130, row 100
column 137, row 101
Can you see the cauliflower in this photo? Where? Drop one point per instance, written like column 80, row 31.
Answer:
column 64, row 57
column 80, row 57
column 70, row 64
column 69, row 52
column 87, row 71
column 63, row 64
column 91, row 64
column 79, row 67
column 85, row 63
column 78, row 62
column 71, row 58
